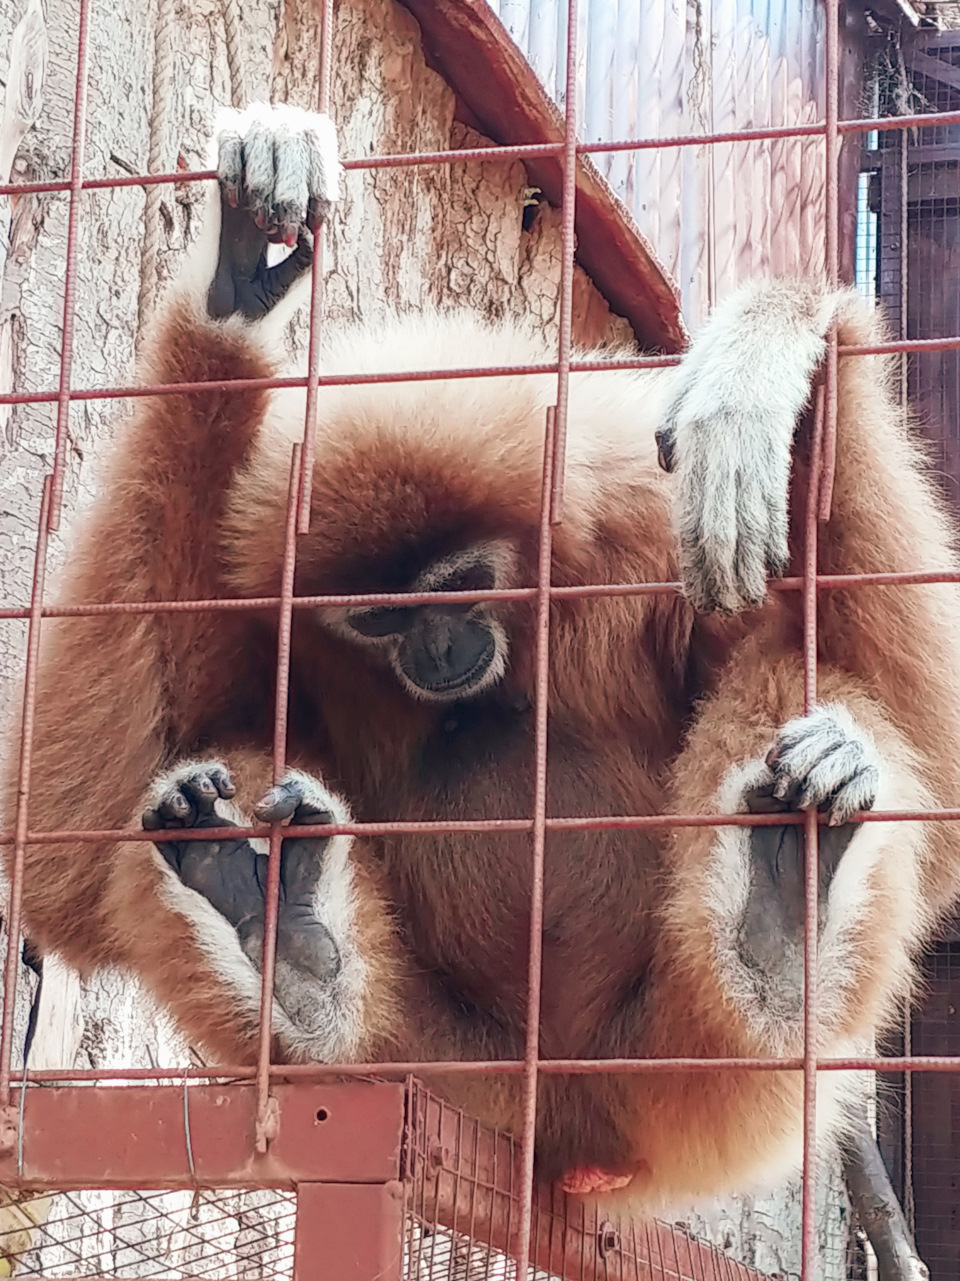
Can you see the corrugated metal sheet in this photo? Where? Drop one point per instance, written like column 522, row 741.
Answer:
column 655, row 68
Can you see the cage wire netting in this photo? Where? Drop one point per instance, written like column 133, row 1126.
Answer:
column 209, row 1234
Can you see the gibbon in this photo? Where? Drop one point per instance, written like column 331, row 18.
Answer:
column 656, row 943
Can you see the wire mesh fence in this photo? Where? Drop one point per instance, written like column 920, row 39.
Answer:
column 130, row 1233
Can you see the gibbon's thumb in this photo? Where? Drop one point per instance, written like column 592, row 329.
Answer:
column 280, row 279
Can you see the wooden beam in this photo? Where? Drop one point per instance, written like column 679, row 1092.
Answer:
column 922, row 64
column 896, row 9
column 936, row 153
column 499, row 94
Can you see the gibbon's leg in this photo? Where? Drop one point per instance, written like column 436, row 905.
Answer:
column 734, row 438
column 122, row 695
column 332, row 936
column 728, row 977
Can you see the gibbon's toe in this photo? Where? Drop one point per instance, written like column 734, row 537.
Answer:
column 587, row 1179
column 186, row 794
column 825, row 761
column 301, row 799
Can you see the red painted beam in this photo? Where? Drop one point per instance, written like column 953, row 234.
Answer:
column 166, row 1136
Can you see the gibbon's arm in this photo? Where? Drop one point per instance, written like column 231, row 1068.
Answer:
column 729, row 438
column 120, row 695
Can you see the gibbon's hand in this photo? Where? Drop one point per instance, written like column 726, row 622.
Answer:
column 728, row 436
column 279, row 178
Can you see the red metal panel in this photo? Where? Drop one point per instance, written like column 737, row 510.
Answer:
column 349, row 1232
column 169, row 1136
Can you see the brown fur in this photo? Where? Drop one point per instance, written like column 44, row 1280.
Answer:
column 649, row 708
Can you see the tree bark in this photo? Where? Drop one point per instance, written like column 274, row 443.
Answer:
column 878, row 1211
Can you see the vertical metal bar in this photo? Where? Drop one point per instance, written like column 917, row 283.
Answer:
column 554, row 436
column 266, row 1110
column 316, row 297
column 823, row 453
column 825, row 473
column 326, row 44
column 903, row 180
column 568, row 244
column 348, row 1232
column 23, row 794
column 70, row 269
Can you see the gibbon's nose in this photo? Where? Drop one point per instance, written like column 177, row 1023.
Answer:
column 451, row 652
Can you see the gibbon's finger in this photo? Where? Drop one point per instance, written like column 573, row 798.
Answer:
column 201, row 790
column 301, row 862
column 175, row 808
column 666, row 439
column 827, row 753
column 188, row 792
column 306, row 803
column 761, row 799
column 707, row 524
column 803, row 743
column 259, row 172
column 831, row 773
column 290, row 193
column 778, row 535
column 219, row 775
column 753, row 541
column 230, row 166
column 323, row 178
column 707, row 573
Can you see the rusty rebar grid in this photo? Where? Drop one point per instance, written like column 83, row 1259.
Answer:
column 543, row 593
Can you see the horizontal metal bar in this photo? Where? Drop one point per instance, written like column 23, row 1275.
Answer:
column 825, row 582
column 517, row 151
column 230, row 1074
column 133, row 391
column 180, row 1136
column 489, row 826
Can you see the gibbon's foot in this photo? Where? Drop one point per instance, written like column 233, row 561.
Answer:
column 232, row 876
column 279, row 178
column 590, row 1178
column 822, row 761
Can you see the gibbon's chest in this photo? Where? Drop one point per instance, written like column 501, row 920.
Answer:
column 465, row 899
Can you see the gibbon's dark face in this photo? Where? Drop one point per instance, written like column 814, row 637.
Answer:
column 443, row 652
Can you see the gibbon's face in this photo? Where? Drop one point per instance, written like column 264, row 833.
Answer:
column 443, row 652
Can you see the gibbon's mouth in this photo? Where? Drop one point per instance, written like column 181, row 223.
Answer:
column 473, row 659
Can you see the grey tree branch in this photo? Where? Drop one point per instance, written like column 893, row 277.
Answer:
column 878, row 1209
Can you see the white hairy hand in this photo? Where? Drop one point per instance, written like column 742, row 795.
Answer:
column 728, row 436
column 281, row 164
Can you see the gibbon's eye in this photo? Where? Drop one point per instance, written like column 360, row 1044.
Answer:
column 377, row 624
column 478, row 577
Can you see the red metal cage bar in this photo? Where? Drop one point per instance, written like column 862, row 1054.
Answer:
column 266, row 1137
